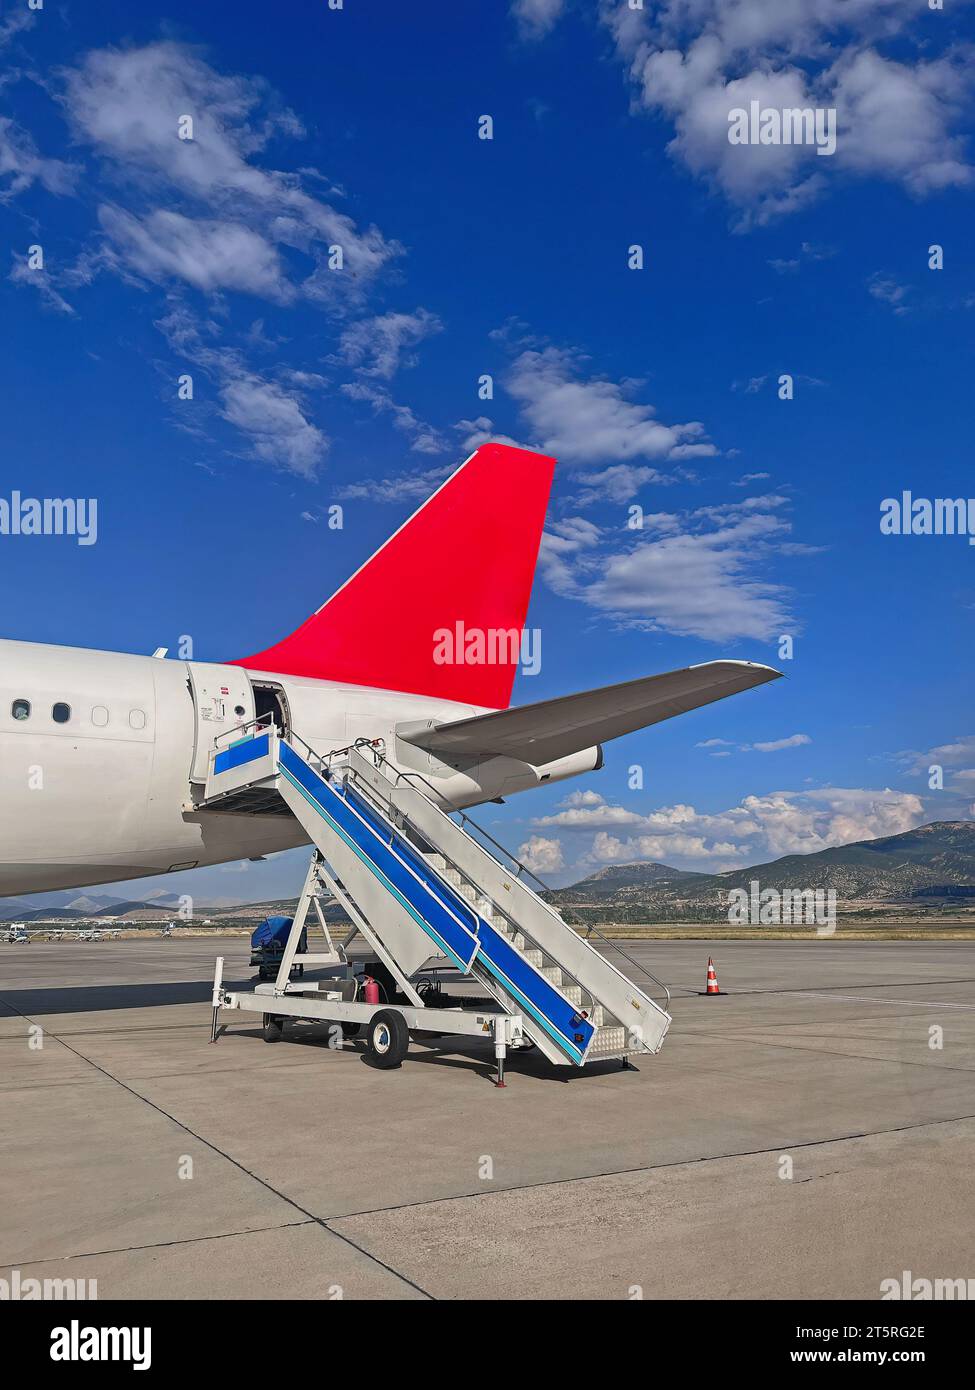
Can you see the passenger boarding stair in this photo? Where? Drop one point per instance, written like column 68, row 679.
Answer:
column 418, row 883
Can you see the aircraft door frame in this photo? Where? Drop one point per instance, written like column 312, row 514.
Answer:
column 218, row 693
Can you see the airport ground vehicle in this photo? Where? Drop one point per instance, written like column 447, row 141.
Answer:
column 421, row 885
column 268, row 942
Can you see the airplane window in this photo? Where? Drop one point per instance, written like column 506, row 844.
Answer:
column 137, row 719
column 99, row 716
column 20, row 709
column 61, row 713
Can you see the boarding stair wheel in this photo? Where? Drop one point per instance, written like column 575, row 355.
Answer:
column 387, row 1038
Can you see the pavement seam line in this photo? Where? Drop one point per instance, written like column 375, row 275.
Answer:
column 648, row 1168
column 154, row 1245
column 318, row 1221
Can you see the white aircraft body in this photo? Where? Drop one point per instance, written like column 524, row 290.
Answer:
column 103, row 755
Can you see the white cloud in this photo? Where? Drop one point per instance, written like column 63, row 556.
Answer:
column 695, row 574
column 618, row 483
column 126, row 104
column 588, row 817
column 208, row 254
column 674, row 850
column 376, row 348
column 210, row 214
column 567, row 552
column 950, row 754
column 585, row 420
column 896, row 118
column 39, row 280
column 954, row 758
column 888, row 292
column 690, row 87
column 21, row 165
column 268, row 413
column 758, row 828
column 405, row 487
column 15, row 23
column 424, row 438
column 899, row 120
column 540, row 855
column 536, row 18
column 771, row 746
column 379, row 346
column 793, row 741
column 697, row 584
column 275, row 425
column 582, row 798
column 480, row 431
column 698, row 576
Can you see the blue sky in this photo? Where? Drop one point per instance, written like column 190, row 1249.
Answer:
column 508, row 256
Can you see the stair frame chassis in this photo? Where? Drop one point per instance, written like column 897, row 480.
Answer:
column 314, row 1000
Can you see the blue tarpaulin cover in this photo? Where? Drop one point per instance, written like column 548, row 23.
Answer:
column 272, row 933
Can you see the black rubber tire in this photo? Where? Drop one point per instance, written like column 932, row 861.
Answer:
column 388, row 1039
column 273, row 1028
column 351, row 1030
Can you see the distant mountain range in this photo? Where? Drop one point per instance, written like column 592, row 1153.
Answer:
column 932, row 866
column 920, row 867
column 72, row 905
column 159, row 907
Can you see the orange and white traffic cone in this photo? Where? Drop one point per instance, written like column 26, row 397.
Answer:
column 712, row 986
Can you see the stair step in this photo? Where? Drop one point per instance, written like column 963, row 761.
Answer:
column 505, row 929
column 534, row 957
column 573, row 993
column 552, row 973
column 609, row 1041
column 436, row 861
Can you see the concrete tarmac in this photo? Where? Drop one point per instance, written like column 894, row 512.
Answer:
column 806, row 1135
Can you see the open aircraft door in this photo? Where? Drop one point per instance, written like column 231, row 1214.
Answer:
column 222, row 700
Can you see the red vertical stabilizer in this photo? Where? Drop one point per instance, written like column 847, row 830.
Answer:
column 462, row 565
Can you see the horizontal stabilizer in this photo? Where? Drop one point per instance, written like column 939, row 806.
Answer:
column 552, row 729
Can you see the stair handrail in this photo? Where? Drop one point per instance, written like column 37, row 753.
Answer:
column 266, row 723
column 522, row 868
column 261, row 724
column 374, row 747
column 371, row 746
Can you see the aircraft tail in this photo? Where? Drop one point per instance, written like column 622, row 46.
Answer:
column 439, row 608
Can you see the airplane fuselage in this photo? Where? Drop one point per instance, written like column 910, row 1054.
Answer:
column 102, row 753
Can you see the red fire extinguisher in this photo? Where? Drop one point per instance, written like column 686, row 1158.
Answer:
column 371, row 990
